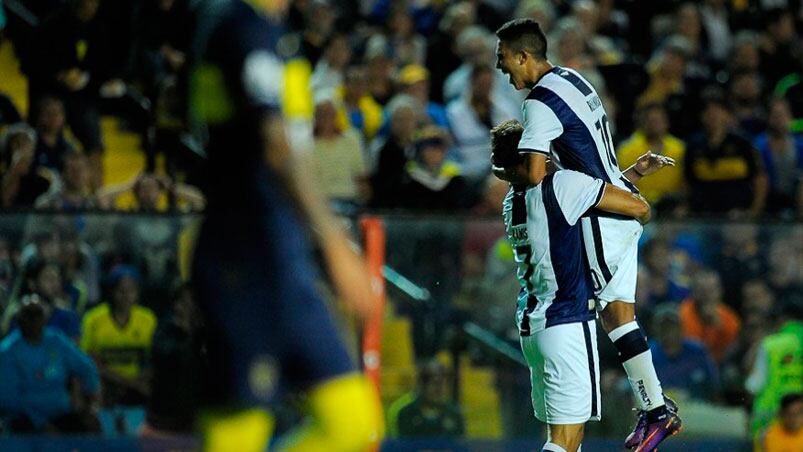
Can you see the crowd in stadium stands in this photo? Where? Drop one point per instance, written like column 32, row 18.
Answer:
column 402, row 97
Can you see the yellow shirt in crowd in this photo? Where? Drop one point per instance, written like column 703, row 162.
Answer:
column 667, row 181
column 123, row 349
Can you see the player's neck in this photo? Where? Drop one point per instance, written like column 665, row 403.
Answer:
column 539, row 69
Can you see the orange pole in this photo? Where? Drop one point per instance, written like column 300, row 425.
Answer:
column 374, row 233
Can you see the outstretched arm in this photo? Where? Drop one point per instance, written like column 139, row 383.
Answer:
column 623, row 202
column 647, row 164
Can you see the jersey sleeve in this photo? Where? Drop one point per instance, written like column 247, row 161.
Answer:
column 576, row 193
column 541, row 126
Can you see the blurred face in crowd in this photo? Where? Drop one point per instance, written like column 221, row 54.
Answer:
column 125, row 294
column 571, row 45
column 792, row 417
column 148, row 191
column 48, row 282
column 403, row 123
column 658, row 258
column 355, row 84
column 434, row 384
column 325, row 119
column 51, row 116
column 707, row 290
column 482, row 85
column 715, row 117
column 655, row 123
column 779, row 119
column 745, row 56
column 673, row 64
column 32, row 319
column 783, row 30
column 669, row 334
column 48, row 247
column 400, row 23
column 432, row 156
column 86, row 9
column 746, row 89
column 757, row 297
column 688, row 22
column 338, row 53
column 419, row 90
column 166, row 5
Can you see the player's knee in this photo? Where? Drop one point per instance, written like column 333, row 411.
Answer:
column 350, row 413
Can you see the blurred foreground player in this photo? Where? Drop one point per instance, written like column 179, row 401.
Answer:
column 269, row 331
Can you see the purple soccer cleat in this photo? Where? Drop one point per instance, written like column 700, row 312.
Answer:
column 640, row 430
column 656, row 432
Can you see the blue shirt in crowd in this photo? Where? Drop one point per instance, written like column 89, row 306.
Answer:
column 692, row 371
column 35, row 377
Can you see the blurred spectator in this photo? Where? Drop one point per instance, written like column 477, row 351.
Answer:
column 153, row 193
column 380, row 69
column 745, row 54
column 570, row 50
column 162, row 42
column 8, row 112
column 688, row 24
column 179, row 366
column 667, row 277
column 329, row 71
column 337, row 157
column 780, row 45
column 22, row 180
column 472, row 116
column 433, row 183
column 741, row 257
column 747, row 101
column 667, row 69
column 44, row 279
column 414, row 80
column 723, row 170
column 319, row 23
column 406, row 46
column 653, row 135
column 427, row 412
column 683, row 365
column 778, row 366
column 735, row 366
column 7, row 272
column 75, row 61
column 785, row 274
column 80, row 270
column 714, row 14
column 706, row 318
column 38, row 366
column 782, row 155
column 52, row 145
column 474, row 46
column 363, row 112
column 118, row 335
column 74, row 192
column 442, row 53
column 757, row 298
column 786, row 433
column 393, row 151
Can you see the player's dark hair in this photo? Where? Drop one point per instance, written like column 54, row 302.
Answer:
column 524, row 35
column 505, row 143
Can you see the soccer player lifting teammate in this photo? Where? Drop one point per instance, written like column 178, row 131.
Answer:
column 564, row 119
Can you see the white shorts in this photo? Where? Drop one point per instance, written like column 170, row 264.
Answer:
column 564, row 371
column 612, row 250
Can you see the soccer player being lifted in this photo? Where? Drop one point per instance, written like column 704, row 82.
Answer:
column 564, row 119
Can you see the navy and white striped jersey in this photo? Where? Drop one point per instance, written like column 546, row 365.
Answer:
column 542, row 225
column 564, row 118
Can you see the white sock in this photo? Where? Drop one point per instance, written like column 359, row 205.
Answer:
column 636, row 359
column 552, row 447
